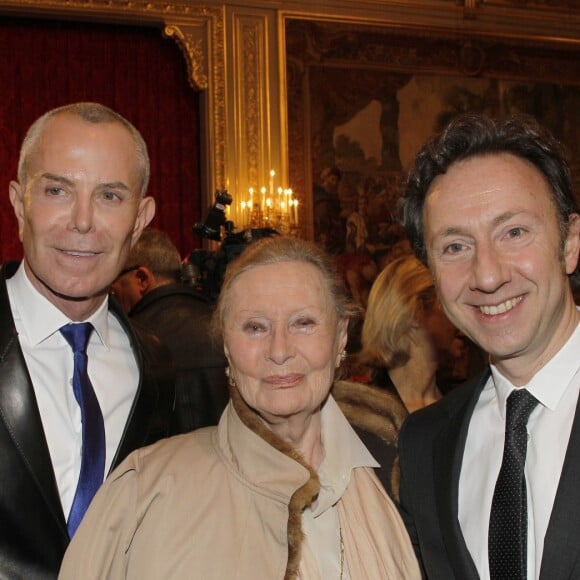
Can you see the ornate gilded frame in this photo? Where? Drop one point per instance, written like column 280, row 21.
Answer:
column 471, row 50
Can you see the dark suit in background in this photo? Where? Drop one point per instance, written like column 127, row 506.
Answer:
column 180, row 316
column 155, row 290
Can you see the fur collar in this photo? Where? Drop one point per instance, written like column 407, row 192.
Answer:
column 376, row 411
column 370, row 408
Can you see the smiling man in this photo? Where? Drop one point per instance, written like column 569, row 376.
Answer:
column 64, row 422
column 490, row 475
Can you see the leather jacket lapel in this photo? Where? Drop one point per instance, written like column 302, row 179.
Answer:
column 19, row 410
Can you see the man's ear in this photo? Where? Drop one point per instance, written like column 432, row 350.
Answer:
column 145, row 280
column 145, row 214
column 16, row 194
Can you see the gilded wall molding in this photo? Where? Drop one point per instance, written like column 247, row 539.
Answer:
column 354, row 45
column 257, row 146
column 108, row 8
column 195, row 49
column 251, row 37
column 201, row 40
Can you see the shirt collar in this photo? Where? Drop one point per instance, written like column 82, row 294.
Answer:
column 41, row 319
column 549, row 384
column 343, row 452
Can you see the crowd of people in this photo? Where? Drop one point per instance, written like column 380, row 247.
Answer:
column 148, row 433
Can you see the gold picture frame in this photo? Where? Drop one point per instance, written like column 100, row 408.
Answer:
column 415, row 79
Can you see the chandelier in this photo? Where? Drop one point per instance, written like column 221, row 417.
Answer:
column 270, row 207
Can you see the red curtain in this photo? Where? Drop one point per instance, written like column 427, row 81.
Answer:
column 137, row 72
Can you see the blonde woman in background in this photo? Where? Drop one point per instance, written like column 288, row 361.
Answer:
column 406, row 337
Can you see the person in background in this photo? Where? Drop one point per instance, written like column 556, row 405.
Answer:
column 80, row 204
column 329, row 225
column 490, row 474
column 282, row 488
column 358, row 267
column 151, row 290
column 406, row 337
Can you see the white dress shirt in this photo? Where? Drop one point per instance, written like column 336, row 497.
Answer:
column 343, row 452
column 112, row 369
column 556, row 386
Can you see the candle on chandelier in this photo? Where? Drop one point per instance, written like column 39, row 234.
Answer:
column 271, row 184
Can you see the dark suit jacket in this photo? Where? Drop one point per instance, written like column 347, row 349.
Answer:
column 180, row 316
column 431, row 446
column 33, row 534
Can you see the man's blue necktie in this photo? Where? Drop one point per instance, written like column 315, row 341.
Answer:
column 93, row 450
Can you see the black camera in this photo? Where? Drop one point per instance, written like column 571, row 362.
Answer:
column 211, row 228
column 205, row 268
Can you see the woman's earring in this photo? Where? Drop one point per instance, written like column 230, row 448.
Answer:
column 231, row 380
column 343, row 356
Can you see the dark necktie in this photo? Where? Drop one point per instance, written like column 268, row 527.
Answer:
column 508, row 522
column 93, row 428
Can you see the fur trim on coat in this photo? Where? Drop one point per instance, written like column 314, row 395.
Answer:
column 375, row 410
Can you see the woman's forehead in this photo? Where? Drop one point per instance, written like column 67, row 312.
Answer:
column 280, row 286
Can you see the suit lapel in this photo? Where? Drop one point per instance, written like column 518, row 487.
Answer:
column 19, row 411
column 561, row 545
column 447, row 460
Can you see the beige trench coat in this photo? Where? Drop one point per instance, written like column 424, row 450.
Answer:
column 146, row 522
column 222, row 502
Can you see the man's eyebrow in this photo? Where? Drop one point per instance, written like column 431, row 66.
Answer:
column 118, row 185
column 453, row 231
column 114, row 185
column 504, row 217
column 57, row 178
column 460, row 231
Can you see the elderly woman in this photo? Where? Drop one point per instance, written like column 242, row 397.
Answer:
column 406, row 338
column 282, row 487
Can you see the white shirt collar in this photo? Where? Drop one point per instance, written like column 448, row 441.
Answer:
column 550, row 382
column 40, row 318
column 343, row 452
